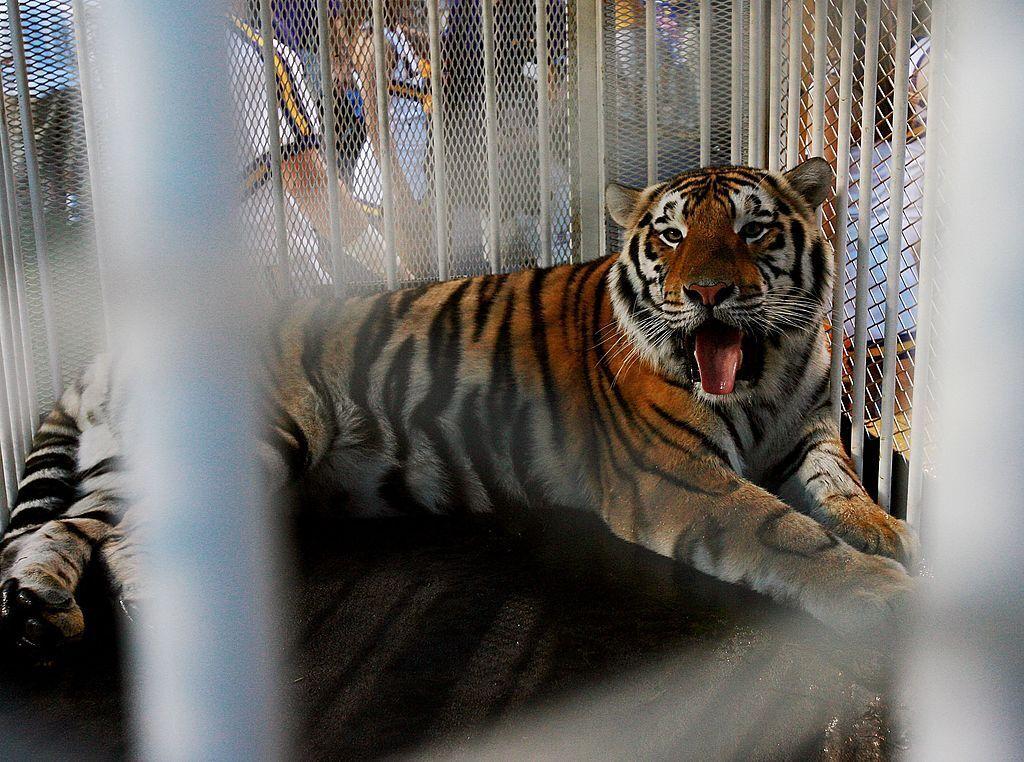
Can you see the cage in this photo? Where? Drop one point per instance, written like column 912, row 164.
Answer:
column 454, row 138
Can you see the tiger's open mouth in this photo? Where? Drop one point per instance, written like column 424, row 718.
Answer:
column 718, row 355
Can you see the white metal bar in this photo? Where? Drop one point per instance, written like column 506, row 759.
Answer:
column 437, row 138
column 35, row 197
column 543, row 131
column 92, row 152
column 841, row 202
column 284, row 269
column 587, row 185
column 651, row 82
column 24, row 423
column 13, row 387
column 736, row 46
column 602, row 167
column 865, row 192
column 796, row 55
column 775, row 85
column 705, row 82
column 901, row 76
column 16, row 387
column 9, row 462
column 381, row 79
column 205, row 655
column 928, row 274
column 491, row 128
column 818, row 78
column 330, row 142
column 755, row 96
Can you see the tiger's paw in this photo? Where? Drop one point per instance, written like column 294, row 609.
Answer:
column 38, row 616
column 874, row 600
column 879, row 534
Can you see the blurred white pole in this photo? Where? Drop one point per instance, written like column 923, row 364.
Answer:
column 755, row 93
column 901, row 84
column 840, row 203
column 736, row 47
column 491, row 129
column 967, row 680
column 205, row 661
column 818, row 78
column 865, row 195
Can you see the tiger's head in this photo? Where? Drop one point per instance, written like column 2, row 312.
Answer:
column 722, row 269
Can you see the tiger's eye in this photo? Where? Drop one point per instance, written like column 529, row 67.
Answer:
column 752, row 231
column 672, row 236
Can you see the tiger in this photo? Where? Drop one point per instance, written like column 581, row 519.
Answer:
column 678, row 388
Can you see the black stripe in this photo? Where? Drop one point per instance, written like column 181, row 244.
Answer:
column 818, row 269
column 538, row 335
column 705, row 441
column 60, row 460
column 27, row 517
column 396, row 384
column 486, row 297
column 46, row 487
column 790, row 463
column 101, row 468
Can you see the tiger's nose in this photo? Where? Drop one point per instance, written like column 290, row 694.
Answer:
column 710, row 295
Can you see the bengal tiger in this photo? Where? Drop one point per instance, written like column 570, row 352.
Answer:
column 678, row 389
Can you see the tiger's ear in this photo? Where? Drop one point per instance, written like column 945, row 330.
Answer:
column 812, row 179
column 621, row 202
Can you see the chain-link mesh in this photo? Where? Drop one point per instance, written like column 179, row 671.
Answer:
column 65, row 235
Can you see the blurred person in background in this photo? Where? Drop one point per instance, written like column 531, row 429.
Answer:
column 303, row 170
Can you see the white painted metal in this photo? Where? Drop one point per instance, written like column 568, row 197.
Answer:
column 901, row 83
column 35, row 196
column 437, row 134
column 284, row 269
column 774, row 84
column 705, row 82
column 841, row 200
column 651, row 81
column 818, row 78
column 796, row 51
column 381, row 79
column 543, row 131
column 204, row 662
column 491, row 127
column 864, row 197
column 590, row 155
column 736, row 48
column 755, row 94
column 330, row 144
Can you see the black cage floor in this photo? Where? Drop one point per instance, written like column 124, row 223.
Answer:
column 435, row 637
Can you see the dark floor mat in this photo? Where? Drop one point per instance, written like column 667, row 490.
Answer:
column 439, row 637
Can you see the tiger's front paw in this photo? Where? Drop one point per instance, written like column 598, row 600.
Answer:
column 874, row 598
column 875, row 532
column 38, row 614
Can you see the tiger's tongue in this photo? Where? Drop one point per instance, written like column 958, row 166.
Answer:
column 719, row 353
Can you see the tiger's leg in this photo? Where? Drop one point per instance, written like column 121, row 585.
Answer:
column 738, row 532
column 819, row 478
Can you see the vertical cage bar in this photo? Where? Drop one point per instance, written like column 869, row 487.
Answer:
column 755, row 95
column 818, row 78
column 736, row 63
column 437, row 138
column 796, row 51
column 841, row 202
column 543, row 131
column 35, row 197
column 774, row 85
column 284, row 270
column 651, row 82
column 205, row 668
column 923, row 360
column 381, row 77
column 587, row 186
column 16, row 388
column 16, row 295
column 865, row 187
column 901, row 77
column 330, row 142
column 92, row 148
column 491, row 127
column 9, row 463
column 705, row 82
